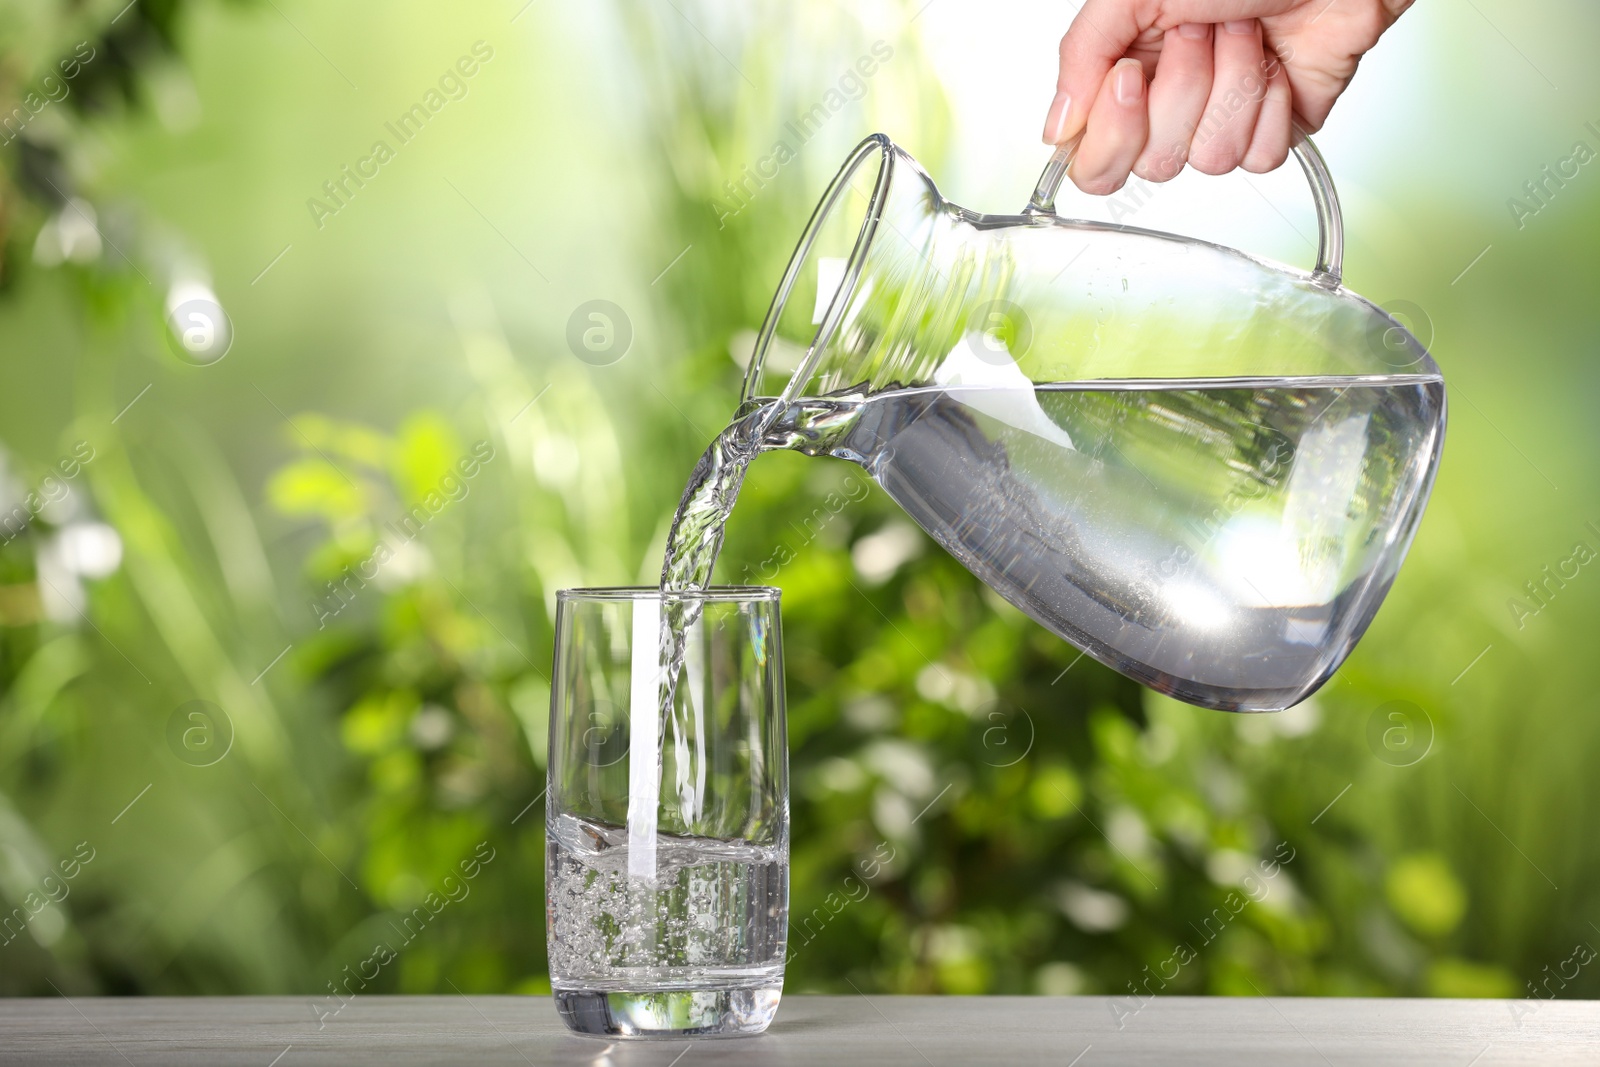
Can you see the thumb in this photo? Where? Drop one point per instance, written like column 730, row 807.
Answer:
column 1098, row 37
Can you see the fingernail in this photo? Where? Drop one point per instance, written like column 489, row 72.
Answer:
column 1241, row 26
column 1195, row 31
column 1129, row 86
column 1055, row 123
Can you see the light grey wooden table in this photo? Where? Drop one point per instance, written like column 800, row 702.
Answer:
column 878, row 1030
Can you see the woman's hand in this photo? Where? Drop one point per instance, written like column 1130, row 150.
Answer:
column 1218, row 84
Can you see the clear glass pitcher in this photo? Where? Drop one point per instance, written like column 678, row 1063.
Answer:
column 1200, row 467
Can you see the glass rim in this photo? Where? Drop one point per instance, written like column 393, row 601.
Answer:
column 716, row 594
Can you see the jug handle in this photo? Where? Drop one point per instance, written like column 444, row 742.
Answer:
column 1330, row 221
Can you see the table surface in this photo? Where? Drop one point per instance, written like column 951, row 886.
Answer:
column 879, row 1030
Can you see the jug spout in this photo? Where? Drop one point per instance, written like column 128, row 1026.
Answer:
column 880, row 284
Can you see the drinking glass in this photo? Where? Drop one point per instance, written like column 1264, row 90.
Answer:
column 667, row 836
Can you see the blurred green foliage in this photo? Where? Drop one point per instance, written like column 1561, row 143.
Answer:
column 976, row 809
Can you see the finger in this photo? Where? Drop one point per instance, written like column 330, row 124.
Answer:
column 1098, row 37
column 1237, row 86
column 1116, row 132
column 1269, row 146
column 1177, row 97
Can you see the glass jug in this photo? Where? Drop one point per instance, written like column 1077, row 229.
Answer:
column 1200, row 467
